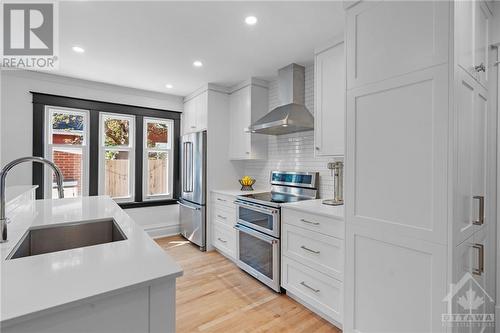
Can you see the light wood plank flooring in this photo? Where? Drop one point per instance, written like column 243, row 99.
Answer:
column 214, row 295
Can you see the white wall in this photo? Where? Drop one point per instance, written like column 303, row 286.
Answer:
column 158, row 221
column 16, row 126
column 293, row 151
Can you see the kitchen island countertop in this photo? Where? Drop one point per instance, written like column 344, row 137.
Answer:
column 51, row 282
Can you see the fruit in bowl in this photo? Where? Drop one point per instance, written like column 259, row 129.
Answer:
column 246, row 183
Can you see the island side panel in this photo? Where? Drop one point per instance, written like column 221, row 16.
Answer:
column 126, row 312
column 162, row 307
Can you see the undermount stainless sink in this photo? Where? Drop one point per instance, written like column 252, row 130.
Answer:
column 67, row 236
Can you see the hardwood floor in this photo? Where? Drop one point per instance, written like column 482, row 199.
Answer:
column 214, row 295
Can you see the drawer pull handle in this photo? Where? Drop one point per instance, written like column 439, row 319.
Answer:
column 221, row 217
column 480, row 220
column 223, row 241
column 309, row 287
column 480, row 270
column 221, row 200
column 309, row 222
column 308, row 249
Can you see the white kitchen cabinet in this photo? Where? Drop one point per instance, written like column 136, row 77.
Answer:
column 329, row 100
column 472, row 29
column 471, row 109
column 417, row 153
column 223, row 217
column 376, row 49
column 474, row 270
column 194, row 116
column 247, row 103
column 312, row 261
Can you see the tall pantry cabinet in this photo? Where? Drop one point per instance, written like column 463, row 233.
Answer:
column 420, row 206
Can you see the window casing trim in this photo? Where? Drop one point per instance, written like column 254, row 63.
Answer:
column 168, row 150
column 40, row 100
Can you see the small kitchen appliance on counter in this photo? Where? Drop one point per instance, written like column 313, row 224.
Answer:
column 192, row 209
column 258, row 223
column 338, row 172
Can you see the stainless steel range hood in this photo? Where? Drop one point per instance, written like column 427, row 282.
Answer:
column 292, row 116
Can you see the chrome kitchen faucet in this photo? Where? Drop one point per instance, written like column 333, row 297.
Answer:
column 3, row 175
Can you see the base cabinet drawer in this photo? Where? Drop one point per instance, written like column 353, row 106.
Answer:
column 318, row 223
column 224, row 215
column 318, row 251
column 316, row 290
column 224, row 200
column 224, row 239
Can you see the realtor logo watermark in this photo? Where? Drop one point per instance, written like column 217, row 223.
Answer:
column 29, row 35
column 469, row 305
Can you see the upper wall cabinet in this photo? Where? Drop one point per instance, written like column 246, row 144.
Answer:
column 329, row 100
column 371, row 24
column 247, row 103
column 194, row 116
column 472, row 22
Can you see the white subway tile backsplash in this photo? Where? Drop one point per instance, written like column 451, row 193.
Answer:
column 293, row 152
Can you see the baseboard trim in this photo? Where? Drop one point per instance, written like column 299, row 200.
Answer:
column 159, row 231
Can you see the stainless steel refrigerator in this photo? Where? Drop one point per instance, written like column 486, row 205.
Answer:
column 193, row 188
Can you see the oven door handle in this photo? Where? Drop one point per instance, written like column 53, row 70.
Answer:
column 271, row 211
column 256, row 234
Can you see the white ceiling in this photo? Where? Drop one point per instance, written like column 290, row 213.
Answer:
column 149, row 44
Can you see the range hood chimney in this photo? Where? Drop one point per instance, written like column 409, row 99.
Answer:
column 292, row 116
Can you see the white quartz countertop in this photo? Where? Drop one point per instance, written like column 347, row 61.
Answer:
column 236, row 192
column 316, row 207
column 32, row 285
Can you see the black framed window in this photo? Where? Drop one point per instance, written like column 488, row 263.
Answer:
column 127, row 152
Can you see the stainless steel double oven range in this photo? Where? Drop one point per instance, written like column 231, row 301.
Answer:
column 259, row 223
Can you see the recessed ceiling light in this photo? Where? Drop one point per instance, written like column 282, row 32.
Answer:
column 169, row 86
column 197, row 63
column 250, row 20
column 78, row 49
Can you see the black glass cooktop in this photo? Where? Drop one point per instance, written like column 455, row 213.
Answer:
column 274, row 197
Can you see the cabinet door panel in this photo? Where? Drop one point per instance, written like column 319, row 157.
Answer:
column 465, row 106
column 479, row 148
column 329, row 101
column 464, row 18
column 201, row 111
column 481, row 40
column 188, row 117
column 397, row 149
column 240, row 113
column 391, row 282
column 376, row 50
column 463, row 265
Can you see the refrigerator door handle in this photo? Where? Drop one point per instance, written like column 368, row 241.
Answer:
column 189, row 207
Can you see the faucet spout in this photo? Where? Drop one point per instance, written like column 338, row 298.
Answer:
column 3, row 175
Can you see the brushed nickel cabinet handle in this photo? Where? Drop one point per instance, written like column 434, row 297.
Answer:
column 219, row 199
column 308, row 249
column 478, row 271
column 222, row 217
column 222, row 240
column 480, row 220
column 480, row 68
column 309, row 222
column 309, row 287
